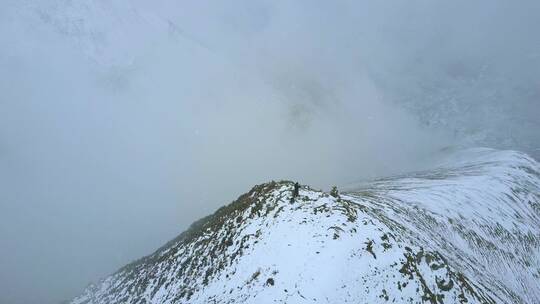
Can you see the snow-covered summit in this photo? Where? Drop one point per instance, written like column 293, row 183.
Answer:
column 466, row 232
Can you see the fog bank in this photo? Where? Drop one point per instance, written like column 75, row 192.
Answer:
column 121, row 123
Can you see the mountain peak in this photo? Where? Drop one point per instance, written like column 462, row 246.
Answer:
column 435, row 237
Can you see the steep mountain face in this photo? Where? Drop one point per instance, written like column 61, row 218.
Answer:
column 467, row 232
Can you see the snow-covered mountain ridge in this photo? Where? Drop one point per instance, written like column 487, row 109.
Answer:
column 466, row 232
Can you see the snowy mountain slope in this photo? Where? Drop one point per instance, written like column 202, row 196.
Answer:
column 481, row 211
column 467, row 232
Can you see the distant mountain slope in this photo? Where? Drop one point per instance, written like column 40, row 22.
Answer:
column 467, row 232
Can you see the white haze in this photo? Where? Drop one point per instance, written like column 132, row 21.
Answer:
column 121, row 123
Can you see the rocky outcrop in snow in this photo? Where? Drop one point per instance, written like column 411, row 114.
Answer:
column 466, row 232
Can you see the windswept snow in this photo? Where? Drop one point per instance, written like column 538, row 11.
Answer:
column 467, row 231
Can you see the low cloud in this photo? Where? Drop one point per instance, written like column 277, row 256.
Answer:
column 122, row 123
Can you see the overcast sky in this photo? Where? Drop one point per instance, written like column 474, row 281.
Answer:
column 121, row 123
